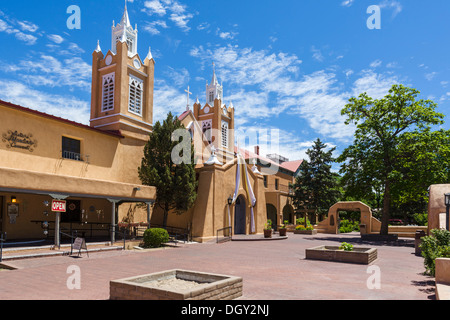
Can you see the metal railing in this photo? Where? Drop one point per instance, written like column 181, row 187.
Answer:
column 227, row 235
column 2, row 239
column 71, row 155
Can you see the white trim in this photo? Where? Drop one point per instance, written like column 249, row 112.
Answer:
column 107, row 67
column 127, row 124
column 138, row 71
column 122, row 115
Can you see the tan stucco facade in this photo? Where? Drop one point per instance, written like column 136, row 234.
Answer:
column 436, row 206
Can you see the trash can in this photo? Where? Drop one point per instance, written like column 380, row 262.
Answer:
column 418, row 241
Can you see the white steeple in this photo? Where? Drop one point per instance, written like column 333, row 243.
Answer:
column 214, row 90
column 98, row 49
column 124, row 31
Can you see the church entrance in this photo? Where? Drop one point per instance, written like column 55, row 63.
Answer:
column 240, row 216
column 272, row 215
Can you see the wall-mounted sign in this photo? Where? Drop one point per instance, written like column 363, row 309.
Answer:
column 59, row 206
column 19, row 140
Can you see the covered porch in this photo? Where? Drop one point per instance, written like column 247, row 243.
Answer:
column 94, row 208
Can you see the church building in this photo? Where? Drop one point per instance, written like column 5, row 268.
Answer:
column 93, row 170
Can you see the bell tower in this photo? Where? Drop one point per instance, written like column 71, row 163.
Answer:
column 216, row 119
column 122, row 84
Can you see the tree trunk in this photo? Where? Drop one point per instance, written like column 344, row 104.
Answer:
column 166, row 215
column 386, row 209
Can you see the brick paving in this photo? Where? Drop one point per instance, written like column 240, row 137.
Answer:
column 271, row 270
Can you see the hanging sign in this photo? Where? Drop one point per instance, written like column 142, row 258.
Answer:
column 59, row 206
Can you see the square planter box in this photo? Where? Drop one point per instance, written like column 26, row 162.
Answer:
column 308, row 232
column 332, row 253
column 177, row 285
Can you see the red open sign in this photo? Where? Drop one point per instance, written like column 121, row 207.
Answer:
column 59, row 206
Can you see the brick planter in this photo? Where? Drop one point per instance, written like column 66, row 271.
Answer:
column 177, row 285
column 332, row 253
column 308, row 232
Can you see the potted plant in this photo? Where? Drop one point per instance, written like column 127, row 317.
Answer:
column 283, row 229
column 268, row 229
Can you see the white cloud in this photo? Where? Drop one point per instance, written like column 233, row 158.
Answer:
column 55, row 38
column 376, row 63
column 317, row 54
column 152, row 27
column 167, row 99
column 28, row 26
column 64, row 106
column 394, row 5
column 263, row 85
column 48, row 71
column 347, row 3
column 176, row 12
column 430, row 76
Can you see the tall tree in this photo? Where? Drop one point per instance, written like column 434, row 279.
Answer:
column 175, row 183
column 385, row 129
column 316, row 186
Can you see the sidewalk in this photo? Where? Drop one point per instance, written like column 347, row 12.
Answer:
column 271, row 270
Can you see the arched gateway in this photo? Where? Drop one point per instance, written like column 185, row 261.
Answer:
column 368, row 223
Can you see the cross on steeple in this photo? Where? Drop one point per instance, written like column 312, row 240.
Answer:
column 188, row 94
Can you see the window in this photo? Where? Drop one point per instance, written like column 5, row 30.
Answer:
column 276, row 184
column 207, row 126
column 265, row 181
column 136, row 89
column 71, row 149
column 108, row 92
column 130, row 45
column 224, row 134
column 211, row 96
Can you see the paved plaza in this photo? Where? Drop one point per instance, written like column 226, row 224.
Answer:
column 271, row 270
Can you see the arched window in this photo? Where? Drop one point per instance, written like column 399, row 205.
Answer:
column 207, row 130
column 135, row 98
column 108, row 92
column 224, row 134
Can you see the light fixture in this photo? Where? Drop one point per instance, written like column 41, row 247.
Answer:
column 230, row 201
column 13, row 199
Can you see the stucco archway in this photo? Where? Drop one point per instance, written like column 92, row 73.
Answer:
column 288, row 213
column 368, row 223
column 272, row 215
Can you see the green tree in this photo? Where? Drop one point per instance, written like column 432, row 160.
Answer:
column 175, row 183
column 316, row 186
column 391, row 136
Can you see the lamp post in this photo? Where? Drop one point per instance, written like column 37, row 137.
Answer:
column 230, row 203
column 447, row 204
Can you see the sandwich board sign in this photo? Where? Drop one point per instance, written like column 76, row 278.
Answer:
column 59, row 206
column 80, row 244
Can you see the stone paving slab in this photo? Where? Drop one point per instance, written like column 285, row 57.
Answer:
column 271, row 270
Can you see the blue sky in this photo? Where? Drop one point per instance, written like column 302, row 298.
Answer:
column 286, row 65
